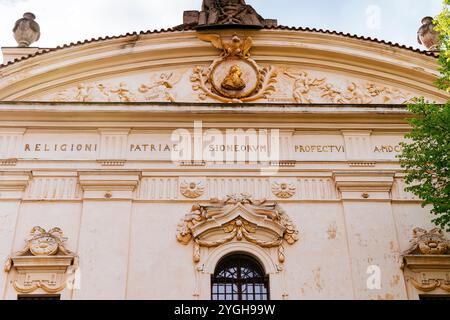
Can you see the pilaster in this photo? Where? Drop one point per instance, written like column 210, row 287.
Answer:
column 105, row 233
column 12, row 188
column 371, row 234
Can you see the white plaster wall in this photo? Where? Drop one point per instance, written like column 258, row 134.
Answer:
column 160, row 268
column 8, row 221
column 318, row 266
column 103, row 250
column 374, row 242
column 129, row 249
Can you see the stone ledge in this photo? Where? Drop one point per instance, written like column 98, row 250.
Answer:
column 427, row 262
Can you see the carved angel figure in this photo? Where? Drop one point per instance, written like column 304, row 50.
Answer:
column 159, row 90
column 123, row 93
column 83, row 93
column 303, row 85
column 332, row 93
column 355, row 94
column 235, row 47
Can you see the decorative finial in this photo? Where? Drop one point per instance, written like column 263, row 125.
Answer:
column 427, row 36
column 26, row 30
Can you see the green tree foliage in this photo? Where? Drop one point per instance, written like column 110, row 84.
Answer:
column 426, row 158
column 442, row 22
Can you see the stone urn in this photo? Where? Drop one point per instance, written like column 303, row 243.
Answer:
column 26, row 30
column 427, row 36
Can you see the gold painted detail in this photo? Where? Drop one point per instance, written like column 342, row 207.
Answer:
column 283, row 190
column 233, row 81
column 238, row 218
column 234, row 76
column 426, row 242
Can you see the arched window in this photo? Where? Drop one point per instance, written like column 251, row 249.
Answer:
column 239, row 277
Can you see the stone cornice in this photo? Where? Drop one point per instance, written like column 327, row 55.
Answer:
column 163, row 115
column 423, row 263
column 33, row 263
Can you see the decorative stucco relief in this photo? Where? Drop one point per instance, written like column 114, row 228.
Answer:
column 234, row 76
column 429, row 285
column 238, row 218
column 431, row 242
column 43, row 263
column 153, row 88
column 192, row 189
column 310, row 87
column 283, row 190
column 427, row 262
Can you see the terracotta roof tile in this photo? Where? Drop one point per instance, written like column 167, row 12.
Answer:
column 188, row 28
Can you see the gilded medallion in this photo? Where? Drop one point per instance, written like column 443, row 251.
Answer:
column 234, row 76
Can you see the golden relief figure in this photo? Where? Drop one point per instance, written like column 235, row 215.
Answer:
column 233, row 80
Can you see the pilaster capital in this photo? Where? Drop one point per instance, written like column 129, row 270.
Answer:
column 109, row 185
column 13, row 184
column 364, row 185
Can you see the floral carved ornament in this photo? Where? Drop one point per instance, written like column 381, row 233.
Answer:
column 238, row 218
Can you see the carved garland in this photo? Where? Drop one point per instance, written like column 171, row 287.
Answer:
column 237, row 218
column 431, row 285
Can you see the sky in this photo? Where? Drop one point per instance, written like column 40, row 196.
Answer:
column 65, row 21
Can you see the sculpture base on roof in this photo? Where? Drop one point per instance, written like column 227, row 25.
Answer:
column 227, row 26
column 220, row 14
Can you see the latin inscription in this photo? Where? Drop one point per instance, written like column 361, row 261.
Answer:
column 153, row 148
column 44, row 147
column 319, row 149
column 388, row 149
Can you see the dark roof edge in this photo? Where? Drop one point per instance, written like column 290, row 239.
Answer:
column 190, row 28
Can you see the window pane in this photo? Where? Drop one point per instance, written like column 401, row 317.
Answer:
column 239, row 277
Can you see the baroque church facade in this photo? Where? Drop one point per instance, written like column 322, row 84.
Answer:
column 228, row 158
